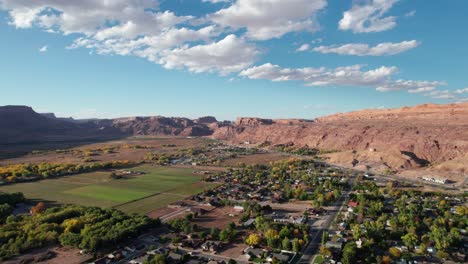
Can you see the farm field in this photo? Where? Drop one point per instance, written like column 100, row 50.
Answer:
column 156, row 188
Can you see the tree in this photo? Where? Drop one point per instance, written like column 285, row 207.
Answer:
column 324, row 237
column 158, row 259
column 272, row 237
column 440, row 236
column 349, row 253
column 286, row 244
column 253, row 239
column 214, row 233
column 395, row 252
column 295, row 245
column 462, row 210
column 410, row 240
column 326, row 252
column 386, row 260
column 284, row 232
column 5, row 211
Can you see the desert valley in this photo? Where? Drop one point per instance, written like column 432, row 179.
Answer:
column 251, row 190
column 233, row 131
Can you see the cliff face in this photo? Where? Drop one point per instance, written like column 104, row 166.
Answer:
column 396, row 138
column 157, row 126
column 20, row 124
column 433, row 136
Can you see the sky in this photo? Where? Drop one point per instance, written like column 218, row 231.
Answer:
column 231, row 58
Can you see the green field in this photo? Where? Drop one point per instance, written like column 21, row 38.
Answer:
column 156, row 188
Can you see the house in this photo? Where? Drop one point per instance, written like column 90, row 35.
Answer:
column 194, row 261
column 353, row 204
column 251, row 252
column 103, row 260
column 431, row 250
column 334, row 245
column 212, row 246
column 239, row 208
column 300, row 220
column 249, row 222
column 282, row 258
column 198, row 210
column 177, row 205
column 191, row 243
column 175, row 256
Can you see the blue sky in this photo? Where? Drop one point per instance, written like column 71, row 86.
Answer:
column 266, row 58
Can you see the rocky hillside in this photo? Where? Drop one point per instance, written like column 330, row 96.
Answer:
column 159, row 126
column 396, row 139
column 21, row 124
column 425, row 136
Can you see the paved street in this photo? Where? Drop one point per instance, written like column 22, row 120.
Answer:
column 314, row 245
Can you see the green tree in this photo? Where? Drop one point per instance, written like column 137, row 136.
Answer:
column 410, row 240
column 349, row 253
column 286, row 244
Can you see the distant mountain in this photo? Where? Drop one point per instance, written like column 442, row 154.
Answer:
column 388, row 139
column 21, row 124
column 424, row 136
column 156, row 126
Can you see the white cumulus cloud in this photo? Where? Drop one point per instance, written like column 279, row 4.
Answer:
column 303, row 47
column 369, row 17
column 43, row 49
column 267, row 19
column 349, row 76
column 216, row 1
column 359, row 49
column 222, row 56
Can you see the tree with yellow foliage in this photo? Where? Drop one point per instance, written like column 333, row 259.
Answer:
column 253, row 240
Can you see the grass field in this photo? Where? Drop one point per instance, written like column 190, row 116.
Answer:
column 156, row 188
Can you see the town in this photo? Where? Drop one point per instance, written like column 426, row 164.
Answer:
column 288, row 211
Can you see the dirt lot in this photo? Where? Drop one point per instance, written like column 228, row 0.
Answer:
column 133, row 149
column 160, row 212
column 62, row 255
column 234, row 251
column 218, row 218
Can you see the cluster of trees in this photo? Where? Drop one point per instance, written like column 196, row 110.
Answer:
column 289, row 237
column 318, row 183
column 186, row 226
column 8, row 202
column 199, row 155
column 79, row 152
column 28, row 172
column 162, row 158
column 87, row 228
column 415, row 219
column 303, row 151
column 253, row 209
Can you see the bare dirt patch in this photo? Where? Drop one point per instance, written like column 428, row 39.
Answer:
column 218, row 218
column 132, row 149
column 60, row 255
column 234, row 251
column 160, row 212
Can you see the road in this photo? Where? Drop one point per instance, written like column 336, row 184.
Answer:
column 171, row 215
column 206, row 255
column 314, row 246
